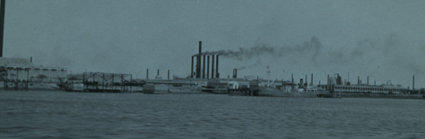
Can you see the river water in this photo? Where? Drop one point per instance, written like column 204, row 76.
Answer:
column 38, row 114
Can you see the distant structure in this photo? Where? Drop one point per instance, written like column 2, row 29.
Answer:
column 335, row 85
column 413, row 82
column 235, row 73
column 158, row 76
column 101, row 82
column 17, row 71
column 147, row 73
column 203, row 64
column 198, row 61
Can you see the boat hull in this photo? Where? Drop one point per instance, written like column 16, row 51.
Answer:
column 273, row 92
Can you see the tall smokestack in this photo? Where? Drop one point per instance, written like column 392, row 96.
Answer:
column 208, row 67
column 147, row 73
column 212, row 67
column 367, row 82
column 168, row 76
column 292, row 78
column 203, row 66
column 305, row 79
column 2, row 12
column 358, row 80
column 198, row 64
column 413, row 82
column 328, row 82
column 191, row 68
column 311, row 81
column 157, row 72
column 235, row 73
column 348, row 76
column 217, row 74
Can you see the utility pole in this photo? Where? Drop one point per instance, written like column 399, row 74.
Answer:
column 2, row 12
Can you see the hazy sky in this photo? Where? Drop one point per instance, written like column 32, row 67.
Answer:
column 380, row 38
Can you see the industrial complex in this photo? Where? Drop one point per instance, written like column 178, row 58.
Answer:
column 22, row 74
column 202, row 59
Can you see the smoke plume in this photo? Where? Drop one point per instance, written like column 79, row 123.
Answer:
column 390, row 51
column 311, row 48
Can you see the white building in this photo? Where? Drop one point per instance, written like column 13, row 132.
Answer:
column 20, row 69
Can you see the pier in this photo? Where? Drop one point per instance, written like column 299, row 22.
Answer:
column 103, row 82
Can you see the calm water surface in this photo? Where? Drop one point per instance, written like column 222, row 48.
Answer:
column 107, row 115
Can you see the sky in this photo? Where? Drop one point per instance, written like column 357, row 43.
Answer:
column 383, row 39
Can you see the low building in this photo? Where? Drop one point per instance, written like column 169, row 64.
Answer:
column 20, row 69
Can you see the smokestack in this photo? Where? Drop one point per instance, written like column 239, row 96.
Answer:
column 208, row 67
column 168, row 76
column 212, row 67
column 311, row 81
column 292, row 78
column 2, row 12
column 216, row 69
column 374, row 82
column 328, row 80
column 147, row 73
column 338, row 79
column 157, row 72
column 413, row 82
column 305, row 79
column 358, row 80
column 367, row 82
column 235, row 73
column 30, row 59
column 191, row 68
column 198, row 64
column 203, row 66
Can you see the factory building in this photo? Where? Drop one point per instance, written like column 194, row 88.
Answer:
column 205, row 62
column 335, row 84
column 19, row 69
